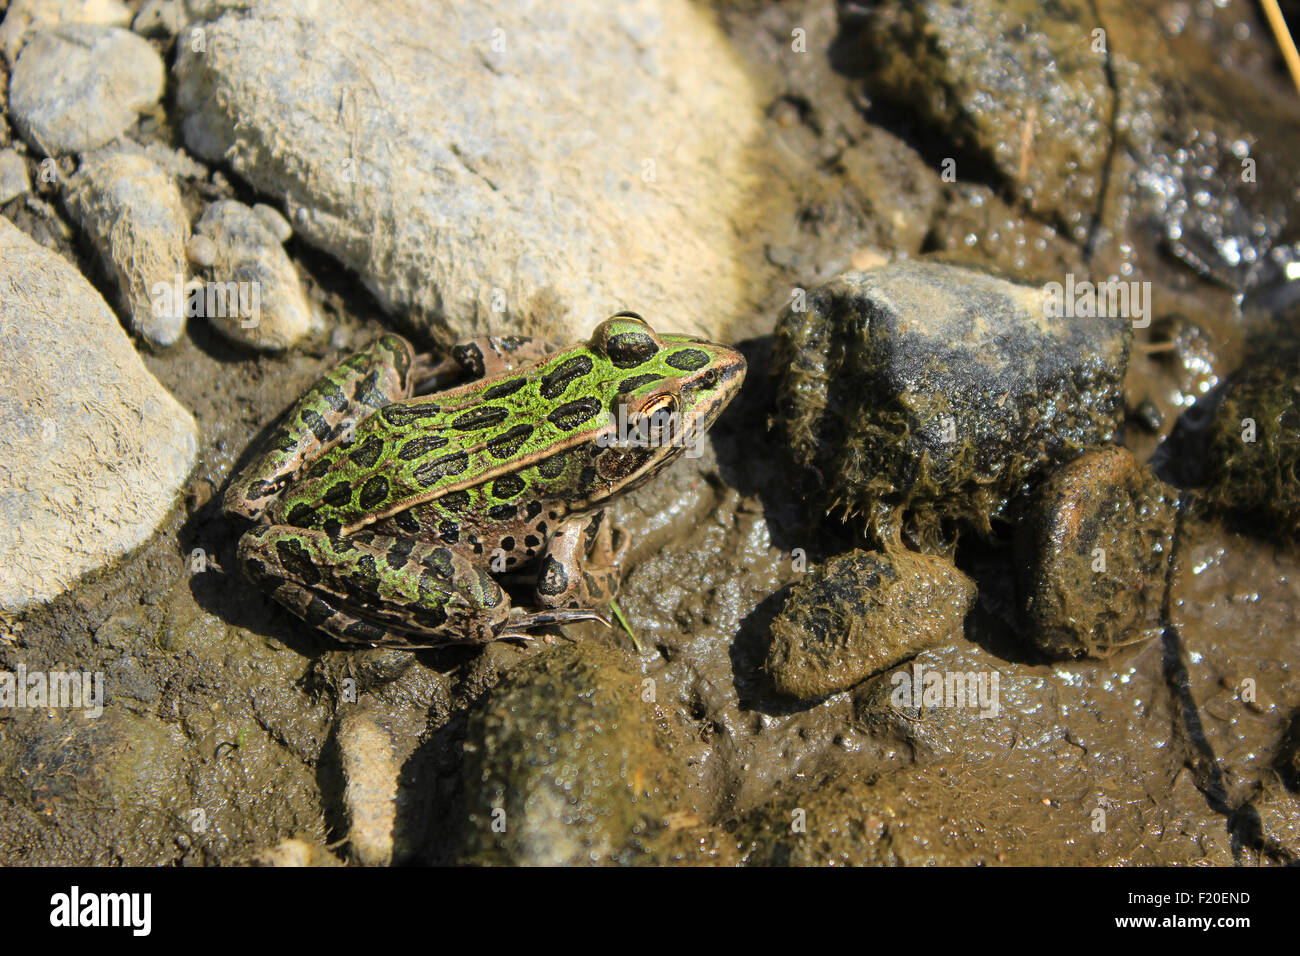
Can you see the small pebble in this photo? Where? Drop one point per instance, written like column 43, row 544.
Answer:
column 278, row 225
column 201, row 251
column 13, row 175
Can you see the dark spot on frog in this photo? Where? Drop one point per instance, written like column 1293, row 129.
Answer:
column 508, row 443
column 484, row 416
column 441, row 562
column 319, row 427
column 317, row 612
column 338, row 495
column 455, row 501
column 444, row 467
column 373, row 492
column 399, row 552
column 563, row 375
column 295, row 559
column 553, row 579
column 507, row 486
column 504, row 389
column 365, row 631
column 407, row 522
column 688, row 360
column 368, row 454
column 571, row 415
column 420, row 446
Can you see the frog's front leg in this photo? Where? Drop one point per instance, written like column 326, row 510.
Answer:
column 582, row 567
column 355, row 388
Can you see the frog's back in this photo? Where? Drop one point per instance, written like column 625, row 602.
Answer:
column 468, row 448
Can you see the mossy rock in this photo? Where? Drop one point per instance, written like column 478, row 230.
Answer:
column 1253, row 453
column 863, row 612
column 564, row 767
column 940, row 392
column 1095, row 552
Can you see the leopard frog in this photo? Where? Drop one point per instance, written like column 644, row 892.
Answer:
column 383, row 513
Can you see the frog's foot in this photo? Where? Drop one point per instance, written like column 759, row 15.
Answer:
column 515, row 625
column 573, row 573
column 376, row 590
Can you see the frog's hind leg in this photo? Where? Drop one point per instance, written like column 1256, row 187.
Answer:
column 358, row 386
column 485, row 357
column 376, row 590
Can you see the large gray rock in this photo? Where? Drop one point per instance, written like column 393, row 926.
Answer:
column 93, row 448
column 77, row 86
column 529, row 166
column 132, row 212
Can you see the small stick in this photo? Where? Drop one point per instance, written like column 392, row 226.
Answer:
column 1283, row 36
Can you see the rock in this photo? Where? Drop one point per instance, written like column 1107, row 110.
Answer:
column 1100, row 120
column 1277, row 812
column 201, row 251
column 889, row 822
column 158, row 18
column 562, row 766
column 94, row 448
column 973, row 225
column 26, row 16
column 1287, row 761
column 175, row 161
column 132, row 213
column 971, row 69
column 370, row 771
column 77, row 86
column 1095, row 552
column 472, row 174
column 1253, row 456
column 13, row 176
column 274, row 221
column 861, row 613
column 296, row 852
column 941, row 391
column 254, row 296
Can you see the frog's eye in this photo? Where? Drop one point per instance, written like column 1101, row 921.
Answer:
column 657, row 418
column 626, row 339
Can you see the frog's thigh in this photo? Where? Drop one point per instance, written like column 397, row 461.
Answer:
column 567, row 577
column 362, row 383
column 490, row 356
column 375, row 589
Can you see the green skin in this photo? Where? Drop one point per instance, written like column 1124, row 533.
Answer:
column 383, row 516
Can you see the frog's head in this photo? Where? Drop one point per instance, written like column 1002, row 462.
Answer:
column 662, row 391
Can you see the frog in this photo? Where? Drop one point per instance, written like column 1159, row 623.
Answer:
column 389, row 505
